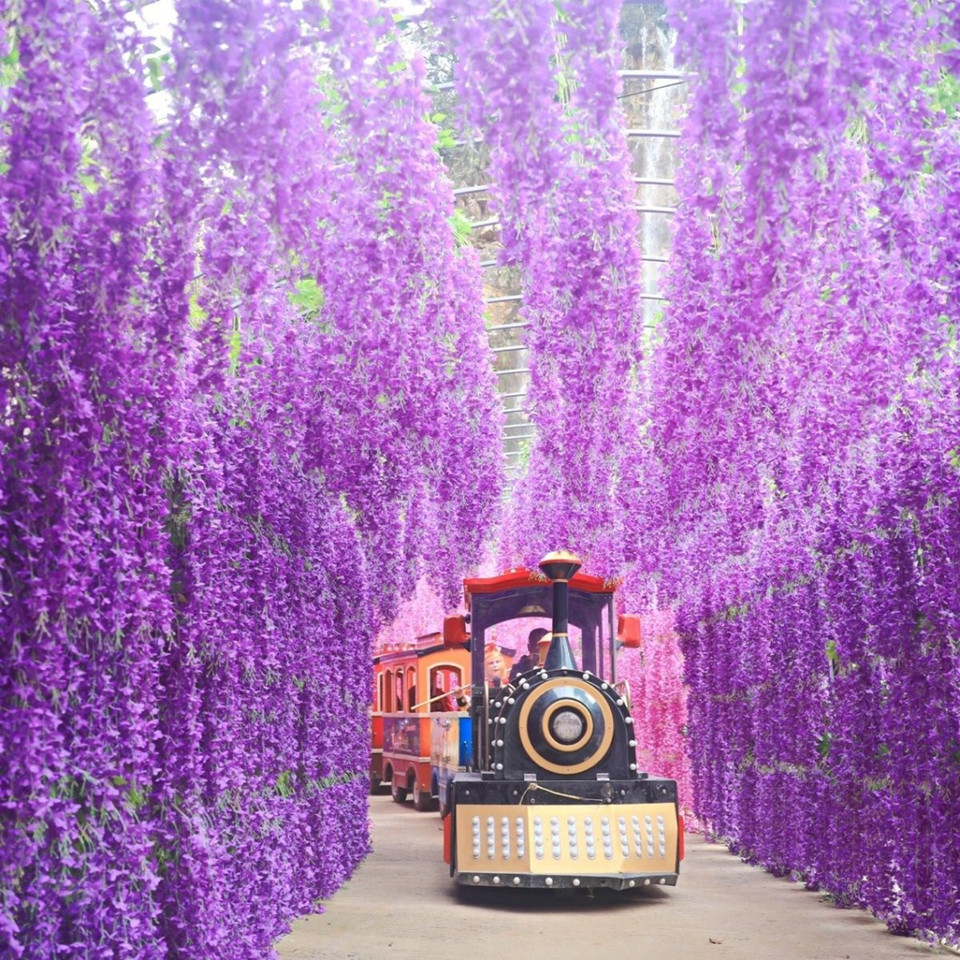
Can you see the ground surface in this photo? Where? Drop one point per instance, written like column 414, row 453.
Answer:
column 402, row 905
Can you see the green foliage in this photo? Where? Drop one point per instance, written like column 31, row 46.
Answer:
column 10, row 70
column 446, row 139
column 236, row 343
column 197, row 313
column 461, row 228
column 308, row 298
column 832, row 655
column 944, row 97
column 156, row 70
column 284, row 784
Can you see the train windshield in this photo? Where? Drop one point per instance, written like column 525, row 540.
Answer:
column 501, row 624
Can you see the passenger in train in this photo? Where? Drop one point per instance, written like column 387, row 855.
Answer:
column 532, row 657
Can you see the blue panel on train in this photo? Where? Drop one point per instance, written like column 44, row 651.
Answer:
column 466, row 741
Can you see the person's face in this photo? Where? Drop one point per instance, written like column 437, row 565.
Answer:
column 493, row 664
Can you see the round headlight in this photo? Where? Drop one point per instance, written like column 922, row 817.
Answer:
column 567, row 726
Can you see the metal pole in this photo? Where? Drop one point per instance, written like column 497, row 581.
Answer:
column 626, row 74
column 646, row 132
column 655, row 181
column 656, row 74
column 640, row 208
column 506, row 326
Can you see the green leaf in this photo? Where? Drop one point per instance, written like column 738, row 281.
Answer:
column 945, row 95
column 236, row 344
column 155, row 71
column 197, row 313
column 10, row 71
column 831, row 652
column 309, row 298
column 461, row 228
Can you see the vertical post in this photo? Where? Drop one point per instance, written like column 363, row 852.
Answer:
column 478, row 698
column 612, row 641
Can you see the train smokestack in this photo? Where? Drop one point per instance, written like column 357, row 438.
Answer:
column 560, row 566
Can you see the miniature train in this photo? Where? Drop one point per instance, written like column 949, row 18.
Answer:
column 537, row 777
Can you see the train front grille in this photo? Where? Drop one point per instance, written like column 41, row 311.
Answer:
column 580, row 839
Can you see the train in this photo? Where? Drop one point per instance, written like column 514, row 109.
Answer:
column 535, row 774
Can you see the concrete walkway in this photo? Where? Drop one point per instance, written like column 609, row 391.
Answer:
column 402, row 905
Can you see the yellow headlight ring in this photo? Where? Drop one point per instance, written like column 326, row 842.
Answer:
column 535, row 754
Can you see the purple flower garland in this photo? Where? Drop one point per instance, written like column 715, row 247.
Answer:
column 227, row 340
column 804, row 434
column 564, row 198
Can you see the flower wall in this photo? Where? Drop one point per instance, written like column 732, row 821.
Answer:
column 659, row 705
column 802, row 450
column 237, row 333
column 539, row 85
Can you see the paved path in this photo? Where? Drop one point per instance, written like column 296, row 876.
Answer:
column 402, row 905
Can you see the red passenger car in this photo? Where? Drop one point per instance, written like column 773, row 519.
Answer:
column 413, row 688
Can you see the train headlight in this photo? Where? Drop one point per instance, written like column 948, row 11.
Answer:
column 567, row 726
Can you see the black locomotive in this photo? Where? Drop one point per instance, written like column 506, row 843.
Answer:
column 553, row 797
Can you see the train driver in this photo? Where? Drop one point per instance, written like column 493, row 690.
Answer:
column 532, row 657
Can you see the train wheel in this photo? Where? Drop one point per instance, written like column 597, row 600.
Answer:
column 399, row 794
column 422, row 799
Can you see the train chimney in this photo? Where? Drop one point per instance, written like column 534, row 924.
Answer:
column 559, row 567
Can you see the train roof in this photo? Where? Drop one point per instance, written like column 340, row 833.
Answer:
column 420, row 647
column 523, row 593
column 521, row 577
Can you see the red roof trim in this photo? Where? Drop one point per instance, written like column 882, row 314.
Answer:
column 520, row 578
